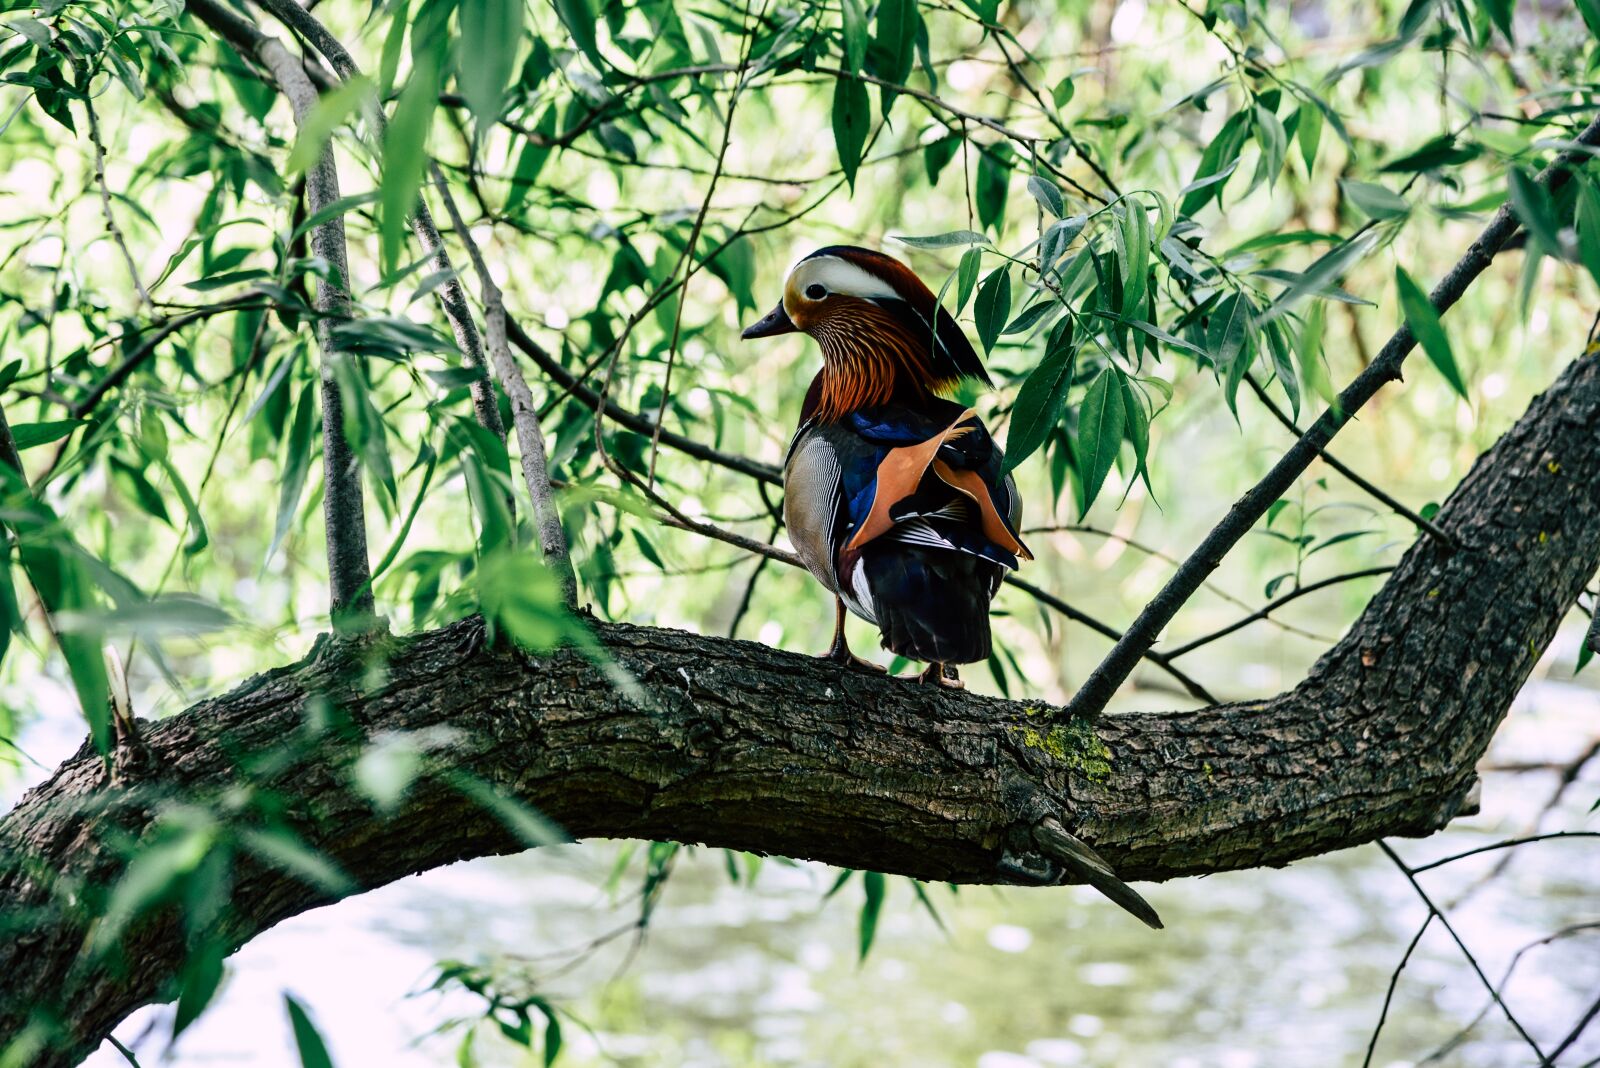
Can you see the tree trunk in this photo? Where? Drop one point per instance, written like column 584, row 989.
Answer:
column 739, row 745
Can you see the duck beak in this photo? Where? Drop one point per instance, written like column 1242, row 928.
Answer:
column 775, row 322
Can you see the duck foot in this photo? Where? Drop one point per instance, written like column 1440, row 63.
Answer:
column 840, row 654
column 934, row 674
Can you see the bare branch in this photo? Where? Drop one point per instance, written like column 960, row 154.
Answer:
column 1160, row 660
column 1433, row 910
column 1394, row 981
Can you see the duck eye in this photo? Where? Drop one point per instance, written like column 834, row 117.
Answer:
column 815, row 291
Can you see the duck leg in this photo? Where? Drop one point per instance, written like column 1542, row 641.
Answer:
column 934, row 674
column 839, row 652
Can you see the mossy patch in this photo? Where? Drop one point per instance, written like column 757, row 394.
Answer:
column 1074, row 744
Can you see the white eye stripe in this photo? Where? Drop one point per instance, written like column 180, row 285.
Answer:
column 838, row 275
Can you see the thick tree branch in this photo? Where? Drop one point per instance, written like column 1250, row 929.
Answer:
column 742, row 746
column 1142, row 634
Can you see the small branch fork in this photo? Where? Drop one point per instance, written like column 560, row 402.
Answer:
column 1444, row 921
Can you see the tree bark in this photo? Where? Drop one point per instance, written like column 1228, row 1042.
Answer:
column 738, row 745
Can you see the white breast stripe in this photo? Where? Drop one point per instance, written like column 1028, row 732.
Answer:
column 858, row 595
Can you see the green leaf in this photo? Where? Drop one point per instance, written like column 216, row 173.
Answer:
column 1217, row 162
column 1424, row 322
column 1436, row 153
column 1029, row 316
column 1133, row 235
column 531, row 160
column 949, row 240
column 1136, row 426
column 1278, row 343
column 1063, row 92
column 393, row 44
column 579, row 18
column 386, row 769
column 198, row 537
column 894, row 44
column 202, row 974
column 313, row 1051
column 854, row 24
column 1590, row 9
column 937, row 154
column 1046, row 193
column 1531, row 202
column 1323, row 272
column 1274, row 144
column 1308, row 133
column 967, row 276
column 1308, row 354
column 552, row 1023
column 852, row 117
column 1227, row 331
column 993, row 306
column 328, row 114
column 28, row 435
column 1042, row 397
column 297, row 461
column 161, row 616
column 1588, row 218
column 280, row 848
column 522, row 597
column 1100, row 426
column 1500, row 12
column 532, row 829
column 994, row 182
column 1375, row 201
column 405, row 158
column 873, row 883
column 486, row 54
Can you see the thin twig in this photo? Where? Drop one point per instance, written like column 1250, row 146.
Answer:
column 105, row 204
column 1394, row 981
column 750, row 587
column 452, row 297
column 1507, row 844
column 524, row 413
column 1273, row 606
column 1577, row 1030
column 344, row 515
column 1433, row 910
column 1369, row 488
column 1160, row 660
column 1516, row 958
column 689, row 249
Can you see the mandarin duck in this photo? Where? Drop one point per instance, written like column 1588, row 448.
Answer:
column 894, row 495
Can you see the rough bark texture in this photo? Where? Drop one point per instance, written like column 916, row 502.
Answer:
column 743, row 746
